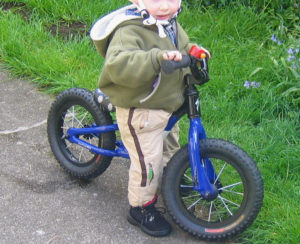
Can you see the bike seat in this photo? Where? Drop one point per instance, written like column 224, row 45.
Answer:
column 103, row 100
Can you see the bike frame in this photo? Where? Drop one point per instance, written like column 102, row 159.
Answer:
column 202, row 170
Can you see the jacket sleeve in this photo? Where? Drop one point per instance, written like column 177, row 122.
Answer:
column 127, row 64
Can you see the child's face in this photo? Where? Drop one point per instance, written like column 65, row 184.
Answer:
column 162, row 9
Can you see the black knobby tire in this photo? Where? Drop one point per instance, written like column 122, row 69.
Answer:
column 76, row 108
column 240, row 190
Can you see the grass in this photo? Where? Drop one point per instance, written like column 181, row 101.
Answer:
column 264, row 121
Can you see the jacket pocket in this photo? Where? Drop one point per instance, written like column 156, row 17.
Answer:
column 155, row 87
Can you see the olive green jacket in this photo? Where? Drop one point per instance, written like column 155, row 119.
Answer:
column 132, row 75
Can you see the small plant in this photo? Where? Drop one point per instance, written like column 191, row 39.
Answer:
column 286, row 59
column 292, row 58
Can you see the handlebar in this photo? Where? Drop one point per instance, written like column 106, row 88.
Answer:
column 198, row 67
column 168, row 66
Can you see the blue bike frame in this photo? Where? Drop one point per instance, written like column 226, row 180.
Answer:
column 202, row 170
column 74, row 134
column 203, row 173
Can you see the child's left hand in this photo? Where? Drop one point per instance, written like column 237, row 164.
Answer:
column 172, row 55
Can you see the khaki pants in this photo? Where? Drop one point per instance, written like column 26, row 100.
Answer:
column 142, row 132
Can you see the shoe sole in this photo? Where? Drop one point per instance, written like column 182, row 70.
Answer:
column 147, row 231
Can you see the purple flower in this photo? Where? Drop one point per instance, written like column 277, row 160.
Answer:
column 297, row 50
column 252, row 84
column 290, row 59
column 256, row 85
column 290, row 51
column 247, row 84
column 273, row 38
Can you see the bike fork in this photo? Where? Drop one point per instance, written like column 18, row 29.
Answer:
column 203, row 172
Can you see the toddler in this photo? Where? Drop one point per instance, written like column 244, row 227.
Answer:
column 134, row 41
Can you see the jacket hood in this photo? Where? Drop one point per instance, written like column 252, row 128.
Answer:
column 104, row 27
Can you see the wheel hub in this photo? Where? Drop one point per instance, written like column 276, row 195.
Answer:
column 210, row 197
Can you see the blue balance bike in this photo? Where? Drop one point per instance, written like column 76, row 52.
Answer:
column 211, row 187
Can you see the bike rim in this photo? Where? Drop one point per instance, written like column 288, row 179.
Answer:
column 77, row 116
column 229, row 204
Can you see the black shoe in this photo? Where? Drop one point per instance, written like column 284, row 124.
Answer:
column 150, row 220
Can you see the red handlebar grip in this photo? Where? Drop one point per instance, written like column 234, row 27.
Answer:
column 197, row 52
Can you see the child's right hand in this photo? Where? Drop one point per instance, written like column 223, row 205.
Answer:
column 172, row 55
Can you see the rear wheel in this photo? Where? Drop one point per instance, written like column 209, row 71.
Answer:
column 76, row 108
column 238, row 182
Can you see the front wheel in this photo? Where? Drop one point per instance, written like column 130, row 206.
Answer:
column 239, row 184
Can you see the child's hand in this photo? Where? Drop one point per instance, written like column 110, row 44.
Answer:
column 172, row 55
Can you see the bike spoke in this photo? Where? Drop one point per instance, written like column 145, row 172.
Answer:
column 68, row 144
column 66, row 120
column 73, row 116
column 80, row 155
column 84, row 155
column 186, row 186
column 226, row 200
column 220, row 218
column 86, row 113
column 92, row 141
column 229, row 186
column 233, row 192
column 225, row 205
column 192, row 205
column 79, row 122
column 221, row 171
column 192, row 196
column 210, row 210
column 186, row 176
